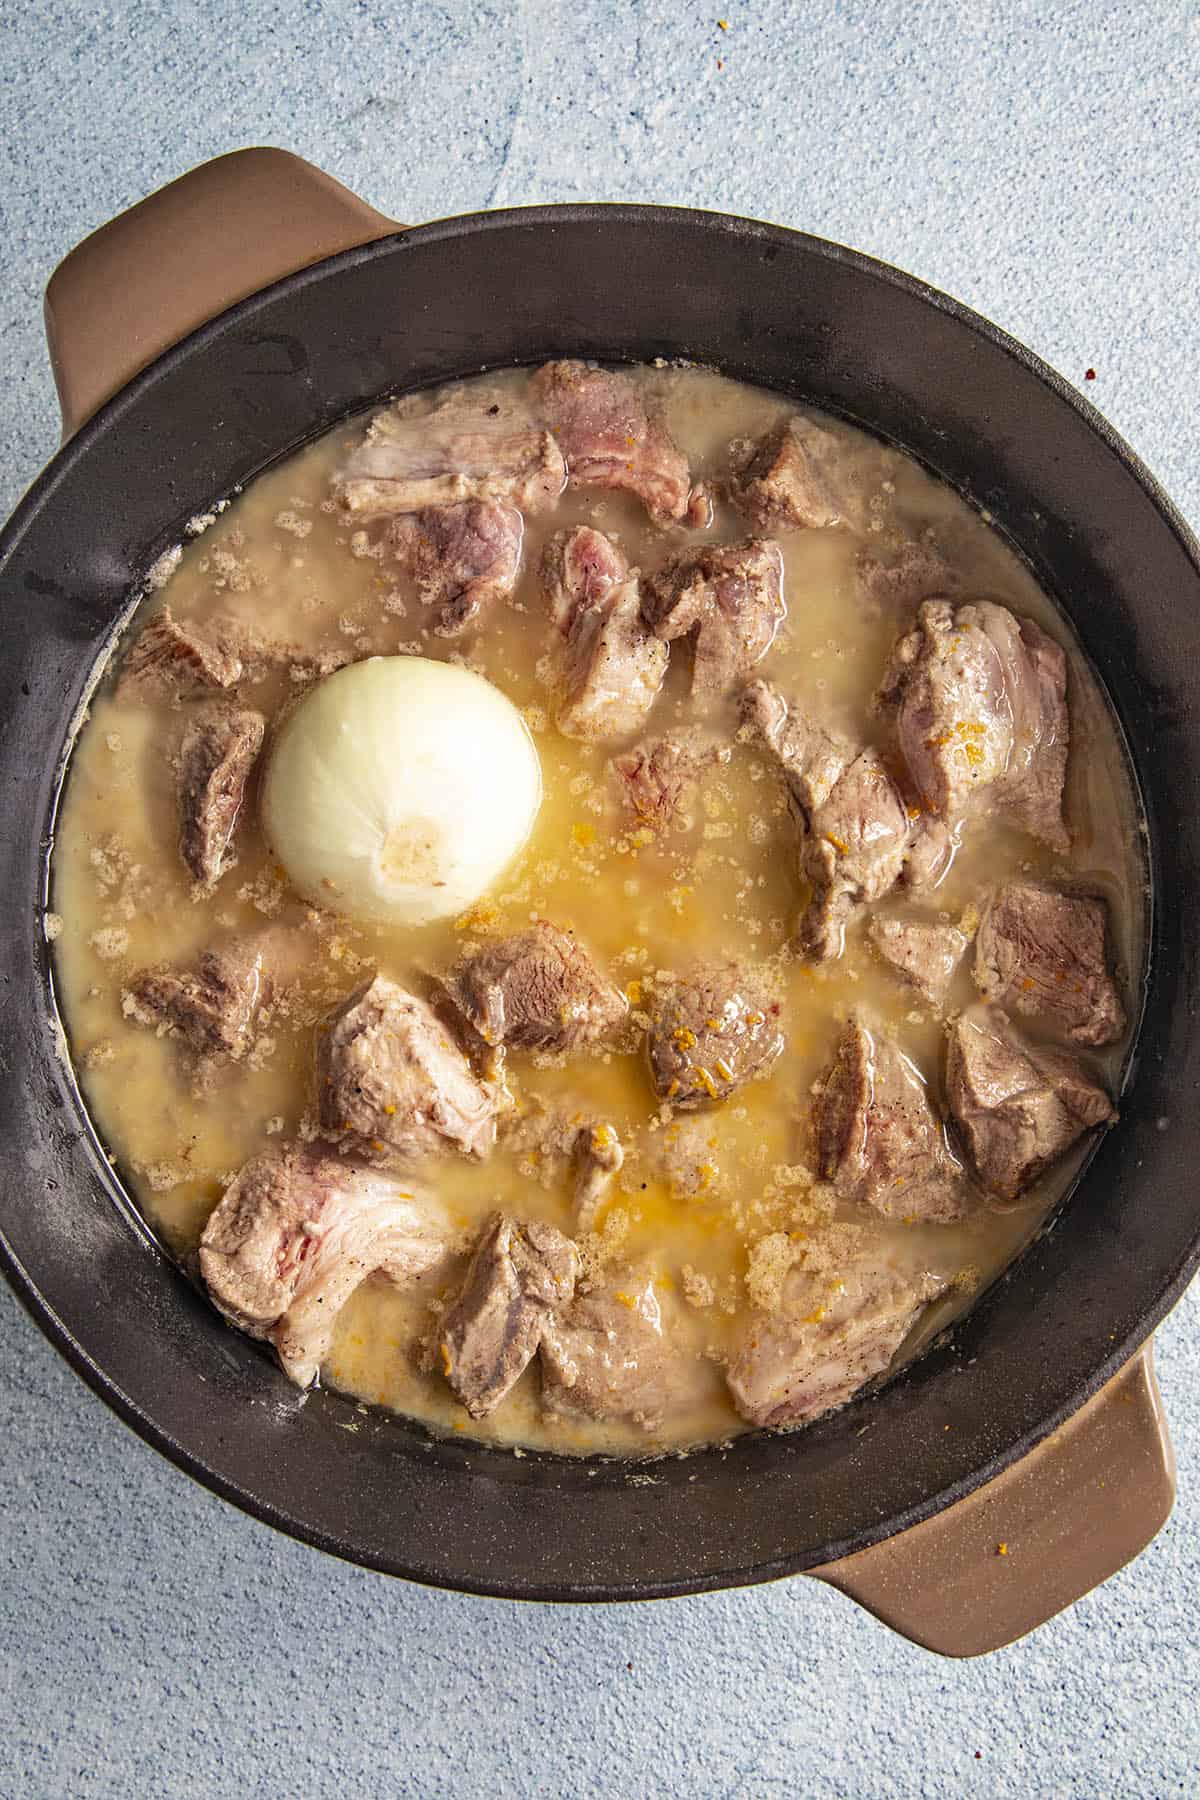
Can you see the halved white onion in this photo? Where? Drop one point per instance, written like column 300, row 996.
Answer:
column 399, row 789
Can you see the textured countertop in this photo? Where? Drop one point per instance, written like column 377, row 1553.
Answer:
column 1042, row 163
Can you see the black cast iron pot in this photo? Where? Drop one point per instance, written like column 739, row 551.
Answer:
column 1035, row 1423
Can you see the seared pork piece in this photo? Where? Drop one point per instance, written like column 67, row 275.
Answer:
column 931, row 850
column 611, row 666
column 295, row 1234
column 598, row 1157
column 854, row 826
column 979, row 699
column 879, row 1141
column 209, row 1009
column 710, row 1034
column 855, row 851
column 611, row 1356
column 614, row 670
column 187, row 659
column 610, row 439
column 463, row 450
column 921, row 952
column 789, row 478
column 654, row 777
column 729, row 598
column 537, row 990
column 1018, row 1106
column 219, row 749
column 520, row 1276
column 393, row 1086
column 1041, row 952
column 918, row 572
column 463, row 558
column 834, row 1330
column 580, row 570
column 169, row 656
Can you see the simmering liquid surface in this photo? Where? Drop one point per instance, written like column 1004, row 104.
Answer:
column 723, row 881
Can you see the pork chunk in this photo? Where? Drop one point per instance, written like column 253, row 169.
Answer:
column 710, row 1034
column 218, row 751
column 789, row 478
column 580, row 570
column 614, row 670
column 653, row 777
column 932, row 847
column 611, row 666
column 464, row 558
column 520, row 1276
column 598, row 1157
column 611, row 439
column 211, row 1008
column 856, row 849
column 729, row 599
column 834, row 1330
column 393, row 1086
column 171, row 656
column 463, row 450
column 878, row 1139
column 296, row 1232
column 1019, row 1107
column 1041, row 952
column 922, row 952
column 854, row 826
column 537, row 990
column 979, row 702
column 613, row 1355
column 1036, row 684
column 185, row 659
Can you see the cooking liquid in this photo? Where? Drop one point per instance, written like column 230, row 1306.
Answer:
column 722, row 882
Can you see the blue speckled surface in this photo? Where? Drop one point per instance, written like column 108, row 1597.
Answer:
column 1043, row 163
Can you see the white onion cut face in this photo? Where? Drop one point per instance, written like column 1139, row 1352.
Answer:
column 399, row 789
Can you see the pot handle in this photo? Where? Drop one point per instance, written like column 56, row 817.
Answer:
column 1063, row 1519
column 174, row 261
